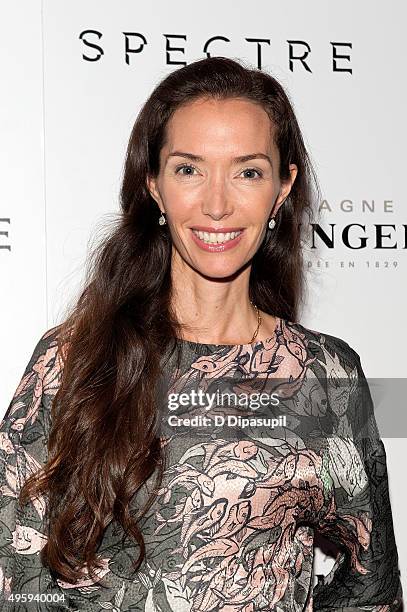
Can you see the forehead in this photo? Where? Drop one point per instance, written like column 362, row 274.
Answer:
column 220, row 126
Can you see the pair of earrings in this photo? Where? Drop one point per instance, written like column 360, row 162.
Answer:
column 162, row 221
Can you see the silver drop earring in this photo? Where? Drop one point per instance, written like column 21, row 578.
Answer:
column 162, row 220
column 272, row 223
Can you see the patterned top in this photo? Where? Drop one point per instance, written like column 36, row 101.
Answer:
column 245, row 488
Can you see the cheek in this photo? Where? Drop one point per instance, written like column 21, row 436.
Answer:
column 181, row 203
column 258, row 210
column 250, row 203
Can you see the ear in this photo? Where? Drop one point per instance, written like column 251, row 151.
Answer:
column 153, row 189
column 285, row 188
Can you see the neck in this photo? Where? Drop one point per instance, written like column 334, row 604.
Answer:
column 211, row 310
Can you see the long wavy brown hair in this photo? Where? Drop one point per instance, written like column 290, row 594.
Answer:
column 103, row 442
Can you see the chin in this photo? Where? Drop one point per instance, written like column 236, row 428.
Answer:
column 219, row 272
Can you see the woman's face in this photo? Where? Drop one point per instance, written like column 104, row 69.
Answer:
column 202, row 186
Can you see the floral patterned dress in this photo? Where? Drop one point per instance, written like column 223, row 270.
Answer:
column 243, row 496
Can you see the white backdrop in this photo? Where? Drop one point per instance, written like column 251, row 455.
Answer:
column 65, row 121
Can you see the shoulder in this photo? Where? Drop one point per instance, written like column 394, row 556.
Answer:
column 39, row 382
column 46, row 342
column 46, row 354
column 325, row 345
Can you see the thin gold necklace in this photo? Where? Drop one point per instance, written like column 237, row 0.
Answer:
column 258, row 322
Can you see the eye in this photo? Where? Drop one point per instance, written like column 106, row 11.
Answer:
column 189, row 166
column 259, row 172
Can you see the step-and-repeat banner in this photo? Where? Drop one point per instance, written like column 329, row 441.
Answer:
column 74, row 76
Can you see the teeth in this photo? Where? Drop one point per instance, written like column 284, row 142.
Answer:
column 216, row 238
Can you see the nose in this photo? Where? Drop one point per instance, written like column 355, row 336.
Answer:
column 216, row 202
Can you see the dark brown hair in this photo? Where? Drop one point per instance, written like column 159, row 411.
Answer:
column 103, row 442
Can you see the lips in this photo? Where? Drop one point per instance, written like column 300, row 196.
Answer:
column 215, row 237
column 215, row 230
column 207, row 240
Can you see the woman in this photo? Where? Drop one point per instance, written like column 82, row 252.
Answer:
column 197, row 288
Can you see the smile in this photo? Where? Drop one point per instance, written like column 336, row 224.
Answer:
column 217, row 238
column 216, row 242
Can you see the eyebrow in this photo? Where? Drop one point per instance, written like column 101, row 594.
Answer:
column 237, row 160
